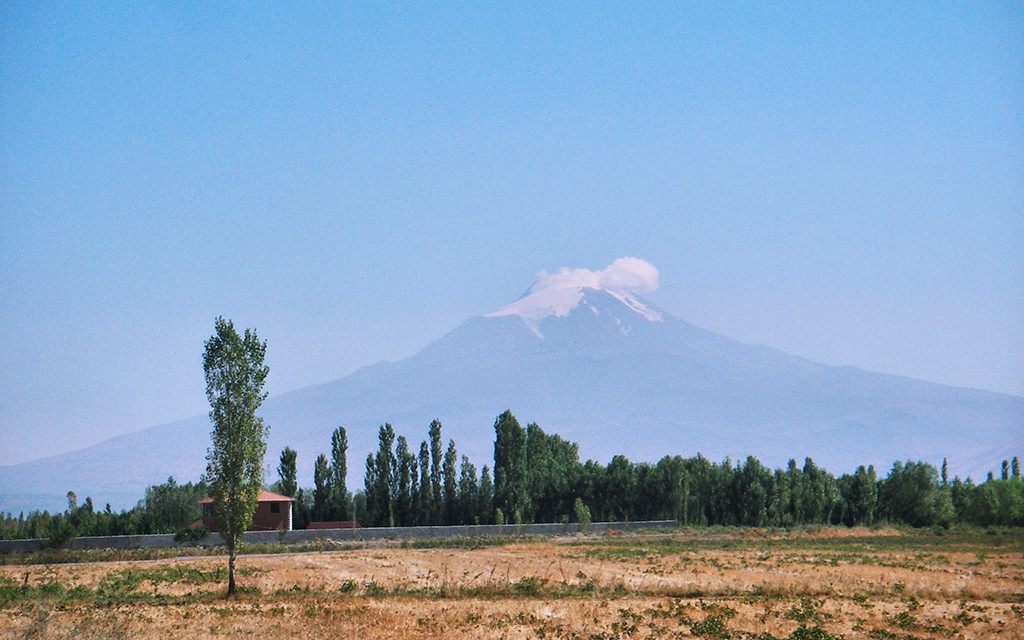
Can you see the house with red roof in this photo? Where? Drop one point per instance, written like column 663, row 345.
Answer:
column 273, row 512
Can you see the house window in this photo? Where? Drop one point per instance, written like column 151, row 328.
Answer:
column 275, row 507
column 207, row 510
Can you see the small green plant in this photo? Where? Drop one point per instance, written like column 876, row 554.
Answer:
column 348, row 587
column 806, row 612
column 582, row 513
column 529, row 586
column 192, row 535
column 710, row 627
column 61, row 535
column 373, row 589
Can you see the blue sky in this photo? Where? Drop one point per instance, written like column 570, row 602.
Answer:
column 843, row 183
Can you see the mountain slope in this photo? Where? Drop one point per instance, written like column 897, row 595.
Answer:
column 588, row 359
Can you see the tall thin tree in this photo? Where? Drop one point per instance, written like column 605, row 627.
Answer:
column 235, row 375
column 286, row 472
column 322, row 489
column 340, row 499
column 424, row 515
column 437, row 503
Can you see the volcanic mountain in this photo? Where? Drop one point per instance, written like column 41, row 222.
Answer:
column 584, row 356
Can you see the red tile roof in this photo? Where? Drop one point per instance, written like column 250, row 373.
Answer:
column 265, row 496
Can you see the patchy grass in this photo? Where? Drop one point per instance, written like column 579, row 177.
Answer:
column 744, row 584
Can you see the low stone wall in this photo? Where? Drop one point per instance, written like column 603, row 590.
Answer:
column 309, row 535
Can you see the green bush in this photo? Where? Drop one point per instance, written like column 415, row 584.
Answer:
column 192, row 535
column 582, row 514
column 61, row 535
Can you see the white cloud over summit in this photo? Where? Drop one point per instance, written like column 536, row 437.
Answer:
column 633, row 275
column 556, row 294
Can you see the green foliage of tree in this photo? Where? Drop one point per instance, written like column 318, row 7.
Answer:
column 864, row 496
column 341, row 499
column 582, row 514
column 403, row 501
column 287, row 473
column 485, row 497
column 436, row 495
column 368, row 514
column 302, row 509
column 425, row 508
column 621, row 488
column 359, row 506
column 235, row 376
column 451, row 485
column 322, row 489
column 912, row 494
column 468, row 490
column 386, row 480
column 172, row 506
column 553, row 473
column 510, row 472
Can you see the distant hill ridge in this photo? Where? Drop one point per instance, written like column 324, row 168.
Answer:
column 583, row 355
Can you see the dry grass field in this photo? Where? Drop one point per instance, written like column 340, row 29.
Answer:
column 809, row 585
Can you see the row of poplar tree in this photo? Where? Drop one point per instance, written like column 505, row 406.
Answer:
column 538, row 477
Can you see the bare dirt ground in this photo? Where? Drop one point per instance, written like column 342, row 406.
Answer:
column 832, row 583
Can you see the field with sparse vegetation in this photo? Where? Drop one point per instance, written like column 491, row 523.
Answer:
column 811, row 584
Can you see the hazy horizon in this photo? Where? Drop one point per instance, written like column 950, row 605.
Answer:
column 839, row 183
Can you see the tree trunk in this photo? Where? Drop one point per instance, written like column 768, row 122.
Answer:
column 231, row 572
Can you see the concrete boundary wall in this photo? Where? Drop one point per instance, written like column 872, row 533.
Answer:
column 354, row 535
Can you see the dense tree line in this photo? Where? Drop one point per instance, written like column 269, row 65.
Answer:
column 166, row 508
column 538, row 477
column 329, row 500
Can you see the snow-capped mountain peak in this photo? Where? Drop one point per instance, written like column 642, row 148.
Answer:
column 557, row 294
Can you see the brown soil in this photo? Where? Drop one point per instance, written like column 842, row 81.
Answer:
column 547, row 589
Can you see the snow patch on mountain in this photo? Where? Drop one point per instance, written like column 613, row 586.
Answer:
column 557, row 294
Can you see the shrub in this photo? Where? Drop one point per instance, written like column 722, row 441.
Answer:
column 192, row 535
column 61, row 535
column 529, row 586
column 582, row 514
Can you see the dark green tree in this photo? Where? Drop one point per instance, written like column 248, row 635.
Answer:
column 752, row 497
column 386, row 479
column 359, row 509
column 912, row 494
column 235, row 376
column 485, row 497
column 369, row 513
column 424, row 514
column 302, row 513
column 322, row 489
column 341, row 499
column 451, row 485
column 437, row 497
column 287, row 473
column 172, row 506
column 468, row 490
column 621, row 488
column 414, row 479
column 403, row 501
column 510, row 473
column 553, row 471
